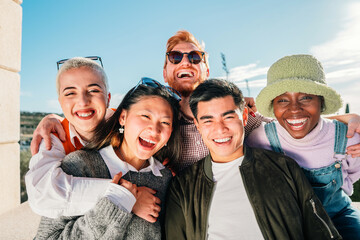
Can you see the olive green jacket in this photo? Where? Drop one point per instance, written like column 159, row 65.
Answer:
column 284, row 203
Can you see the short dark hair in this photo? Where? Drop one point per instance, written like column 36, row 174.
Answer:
column 215, row 88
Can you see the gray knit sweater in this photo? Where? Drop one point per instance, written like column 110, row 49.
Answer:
column 105, row 220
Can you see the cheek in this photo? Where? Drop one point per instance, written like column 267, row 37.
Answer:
column 66, row 106
column 167, row 134
column 278, row 111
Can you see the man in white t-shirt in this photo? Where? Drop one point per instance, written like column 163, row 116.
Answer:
column 238, row 192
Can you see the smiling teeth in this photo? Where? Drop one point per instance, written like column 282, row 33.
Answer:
column 147, row 140
column 296, row 121
column 84, row 114
column 185, row 73
column 222, row 140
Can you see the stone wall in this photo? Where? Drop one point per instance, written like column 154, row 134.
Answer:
column 10, row 63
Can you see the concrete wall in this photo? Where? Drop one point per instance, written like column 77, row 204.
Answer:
column 10, row 63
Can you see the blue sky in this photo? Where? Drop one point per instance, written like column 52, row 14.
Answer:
column 130, row 36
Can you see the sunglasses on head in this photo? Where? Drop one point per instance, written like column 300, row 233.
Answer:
column 149, row 82
column 194, row 57
column 94, row 58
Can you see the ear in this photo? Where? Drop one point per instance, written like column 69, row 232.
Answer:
column 207, row 73
column 245, row 116
column 122, row 118
column 165, row 75
column 108, row 100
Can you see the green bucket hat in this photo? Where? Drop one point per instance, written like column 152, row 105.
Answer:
column 297, row 73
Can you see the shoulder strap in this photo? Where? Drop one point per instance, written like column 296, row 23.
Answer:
column 271, row 134
column 340, row 137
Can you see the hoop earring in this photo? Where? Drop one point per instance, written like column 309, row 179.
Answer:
column 121, row 129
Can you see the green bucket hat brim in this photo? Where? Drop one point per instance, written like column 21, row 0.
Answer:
column 333, row 101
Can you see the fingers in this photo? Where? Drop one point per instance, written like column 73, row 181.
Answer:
column 149, row 218
column 47, row 140
column 146, row 189
column 251, row 112
column 35, row 143
column 351, row 130
column 60, row 131
column 117, row 178
column 147, row 205
column 250, row 104
column 353, row 150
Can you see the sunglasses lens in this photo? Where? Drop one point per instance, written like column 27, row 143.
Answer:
column 175, row 57
column 195, row 57
column 174, row 93
column 150, row 82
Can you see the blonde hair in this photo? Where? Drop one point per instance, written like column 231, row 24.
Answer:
column 78, row 62
column 185, row 36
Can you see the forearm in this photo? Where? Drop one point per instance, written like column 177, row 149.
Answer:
column 53, row 193
column 345, row 118
column 255, row 122
column 103, row 221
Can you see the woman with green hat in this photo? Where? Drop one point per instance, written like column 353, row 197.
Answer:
column 297, row 94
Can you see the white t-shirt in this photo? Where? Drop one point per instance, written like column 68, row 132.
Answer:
column 231, row 215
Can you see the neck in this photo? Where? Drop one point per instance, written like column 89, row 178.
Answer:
column 85, row 136
column 224, row 159
column 185, row 107
column 124, row 155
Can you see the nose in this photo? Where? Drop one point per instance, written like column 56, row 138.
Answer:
column 84, row 99
column 295, row 106
column 185, row 60
column 155, row 128
column 220, row 127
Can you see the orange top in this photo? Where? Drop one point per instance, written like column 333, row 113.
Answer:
column 68, row 146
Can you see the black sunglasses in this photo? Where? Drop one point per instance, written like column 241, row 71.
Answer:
column 95, row 58
column 194, row 57
column 149, row 82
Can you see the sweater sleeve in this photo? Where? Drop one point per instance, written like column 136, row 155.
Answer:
column 104, row 221
column 255, row 122
column 52, row 192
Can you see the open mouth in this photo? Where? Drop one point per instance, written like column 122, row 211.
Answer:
column 185, row 74
column 296, row 124
column 222, row 140
column 147, row 143
column 85, row 114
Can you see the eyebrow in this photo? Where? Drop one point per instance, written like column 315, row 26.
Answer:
column 149, row 111
column 223, row 115
column 90, row 85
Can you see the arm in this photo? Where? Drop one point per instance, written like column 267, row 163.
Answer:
column 351, row 119
column 353, row 122
column 104, row 221
column 52, row 192
column 50, row 123
column 175, row 224
column 351, row 167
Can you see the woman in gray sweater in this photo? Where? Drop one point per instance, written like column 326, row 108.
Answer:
column 144, row 125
